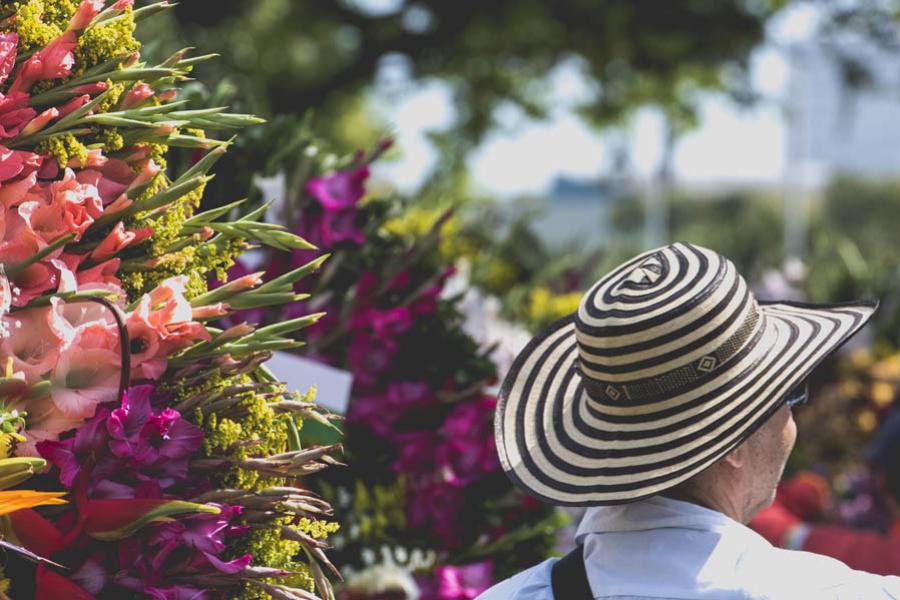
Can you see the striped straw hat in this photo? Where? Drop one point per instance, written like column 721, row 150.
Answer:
column 669, row 363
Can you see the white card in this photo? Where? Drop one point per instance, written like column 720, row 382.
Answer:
column 301, row 373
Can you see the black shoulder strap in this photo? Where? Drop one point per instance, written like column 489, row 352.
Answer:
column 569, row 578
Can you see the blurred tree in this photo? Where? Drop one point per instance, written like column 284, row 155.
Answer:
column 743, row 225
column 291, row 55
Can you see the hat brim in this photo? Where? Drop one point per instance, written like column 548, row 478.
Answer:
column 559, row 445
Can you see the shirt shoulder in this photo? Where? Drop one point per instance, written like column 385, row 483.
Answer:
column 530, row 584
column 777, row 573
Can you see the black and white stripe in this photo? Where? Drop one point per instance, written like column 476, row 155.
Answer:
column 669, row 363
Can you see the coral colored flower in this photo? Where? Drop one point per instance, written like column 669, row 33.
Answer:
column 15, row 113
column 86, row 12
column 111, row 180
column 117, row 240
column 67, row 207
column 137, row 95
column 17, row 163
column 73, row 105
column 9, row 43
column 148, row 170
column 34, row 339
column 40, row 121
column 162, row 324
column 5, row 297
column 87, row 373
column 102, row 276
column 51, row 62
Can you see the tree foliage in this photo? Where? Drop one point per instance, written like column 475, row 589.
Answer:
column 291, row 55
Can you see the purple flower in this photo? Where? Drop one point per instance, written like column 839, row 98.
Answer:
column 381, row 411
column 369, row 357
column 468, row 451
column 436, row 507
column 416, row 453
column 138, row 452
column 340, row 190
column 387, row 324
column 183, row 549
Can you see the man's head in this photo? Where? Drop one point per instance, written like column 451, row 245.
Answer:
column 669, row 366
column 743, row 482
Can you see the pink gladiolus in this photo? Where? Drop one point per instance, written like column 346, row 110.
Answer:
column 90, row 88
column 149, row 170
column 162, row 324
column 212, row 311
column 59, row 209
column 132, row 60
column 33, row 280
column 137, row 95
column 94, row 159
column 52, row 62
column 15, row 113
column 123, row 4
column 14, row 163
column 100, row 276
column 73, row 105
column 87, row 373
column 8, row 46
column 119, row 239
column 34, row 340
column 112, row 179
column 5, row 296
column 40, row 121
column 247, row 282
column 86, row 12
column 120, row 204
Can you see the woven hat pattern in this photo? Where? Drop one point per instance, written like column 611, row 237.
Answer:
column 669, row 363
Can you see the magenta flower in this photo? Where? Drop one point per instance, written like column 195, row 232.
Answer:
column 381, row 411
column 369, row 357
column 138, row 452
column 468, row 451
column 340, row 190
column 387, row 324
column 436, row 507
column 181, row 550
column 458, row 583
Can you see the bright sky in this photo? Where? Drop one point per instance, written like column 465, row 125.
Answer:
column 732, row 144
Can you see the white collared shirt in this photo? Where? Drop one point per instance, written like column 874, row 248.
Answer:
column 661, row 548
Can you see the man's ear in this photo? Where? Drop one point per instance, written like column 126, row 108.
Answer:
column 736, row 458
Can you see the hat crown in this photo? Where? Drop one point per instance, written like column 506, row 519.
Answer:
column 662, row 321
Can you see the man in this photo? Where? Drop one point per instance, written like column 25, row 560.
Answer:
column 663, row 404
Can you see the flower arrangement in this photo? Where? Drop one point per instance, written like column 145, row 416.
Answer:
column 425, row 494
column 177, row 452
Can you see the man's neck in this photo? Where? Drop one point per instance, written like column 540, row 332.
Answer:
column 719, row 503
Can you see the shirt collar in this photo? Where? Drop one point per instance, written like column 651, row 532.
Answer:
column 655, row 512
